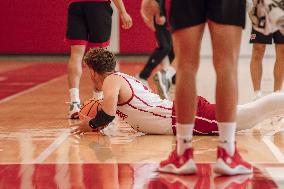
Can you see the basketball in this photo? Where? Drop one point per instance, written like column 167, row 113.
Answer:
column 90, row 108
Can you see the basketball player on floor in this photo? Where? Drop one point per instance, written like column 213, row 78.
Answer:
column 89, row 25
column 225, row 21
column 147, row 112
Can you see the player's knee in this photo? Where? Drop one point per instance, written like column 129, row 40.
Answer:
column 226, row 69
column 259, row 49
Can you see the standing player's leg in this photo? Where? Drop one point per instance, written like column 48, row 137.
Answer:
column 187, row 44
column 226, row 46
column 74, row 76
column 259, row 42
column 279, row 63
column 77, row 37
column 256, row 68
column 248, row 115
column 163, row 49
column 163, row 77
column 226, row 21
column 188, row 20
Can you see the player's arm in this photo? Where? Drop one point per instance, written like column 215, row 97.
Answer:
column 124, row 16
column 106, row 114
column 150, row 10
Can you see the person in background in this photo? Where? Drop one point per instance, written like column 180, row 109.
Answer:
column 88, row 25
column 166, row 76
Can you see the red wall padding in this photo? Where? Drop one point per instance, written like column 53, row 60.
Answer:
column 38, row 26
column 32, row 26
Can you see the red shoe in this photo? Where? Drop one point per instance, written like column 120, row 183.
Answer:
column 179, row 164
column 227, row 165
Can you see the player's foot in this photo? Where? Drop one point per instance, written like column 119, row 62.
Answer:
column 74, row 110
column 257, row 95
column 231, row 165
column 163, row 84
column 176, row 164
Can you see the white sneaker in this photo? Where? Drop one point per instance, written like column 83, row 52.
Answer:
column 231, row 165
column 176, row 164
column 74, row 110
column 257, row 95
column 163, row 84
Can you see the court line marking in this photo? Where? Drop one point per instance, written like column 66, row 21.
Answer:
column 52, row 147
column 59, row 140
column 272, row 147
column 30, row 89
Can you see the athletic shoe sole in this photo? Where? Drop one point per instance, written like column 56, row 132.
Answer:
column 188, row 168
column 162, row 91
column 223, row 169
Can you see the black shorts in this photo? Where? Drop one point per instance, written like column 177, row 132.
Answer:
column 89, row 23
column 187, row 13
column 257, row 37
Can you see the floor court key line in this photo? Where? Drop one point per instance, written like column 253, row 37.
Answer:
column 52, row 147
column 273, row 148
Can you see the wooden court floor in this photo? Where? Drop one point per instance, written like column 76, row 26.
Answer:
column 37, row 150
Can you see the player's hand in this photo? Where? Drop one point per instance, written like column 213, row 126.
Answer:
column 126, row 21
column 150, row 10
column 82, row 127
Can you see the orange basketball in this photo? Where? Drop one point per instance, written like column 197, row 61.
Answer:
column 90, row 108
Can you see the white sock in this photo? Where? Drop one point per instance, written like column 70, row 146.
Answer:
column 184, row 137
column 170, row 72
column 74, row 95
column 98, row 95
column 227, row 136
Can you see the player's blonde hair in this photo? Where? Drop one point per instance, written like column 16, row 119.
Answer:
column 100, row 60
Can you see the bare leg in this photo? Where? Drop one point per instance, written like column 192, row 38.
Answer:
column 248, row 115
column 75, row 65
column 226, row 45
column 256, row 65
column 187, row 44
column 74, row 76
column 279, row 67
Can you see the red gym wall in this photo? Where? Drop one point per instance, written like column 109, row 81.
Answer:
column 38, row 26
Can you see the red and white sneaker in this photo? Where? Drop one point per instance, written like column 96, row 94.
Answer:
column 179, row 164
column 231, row 165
